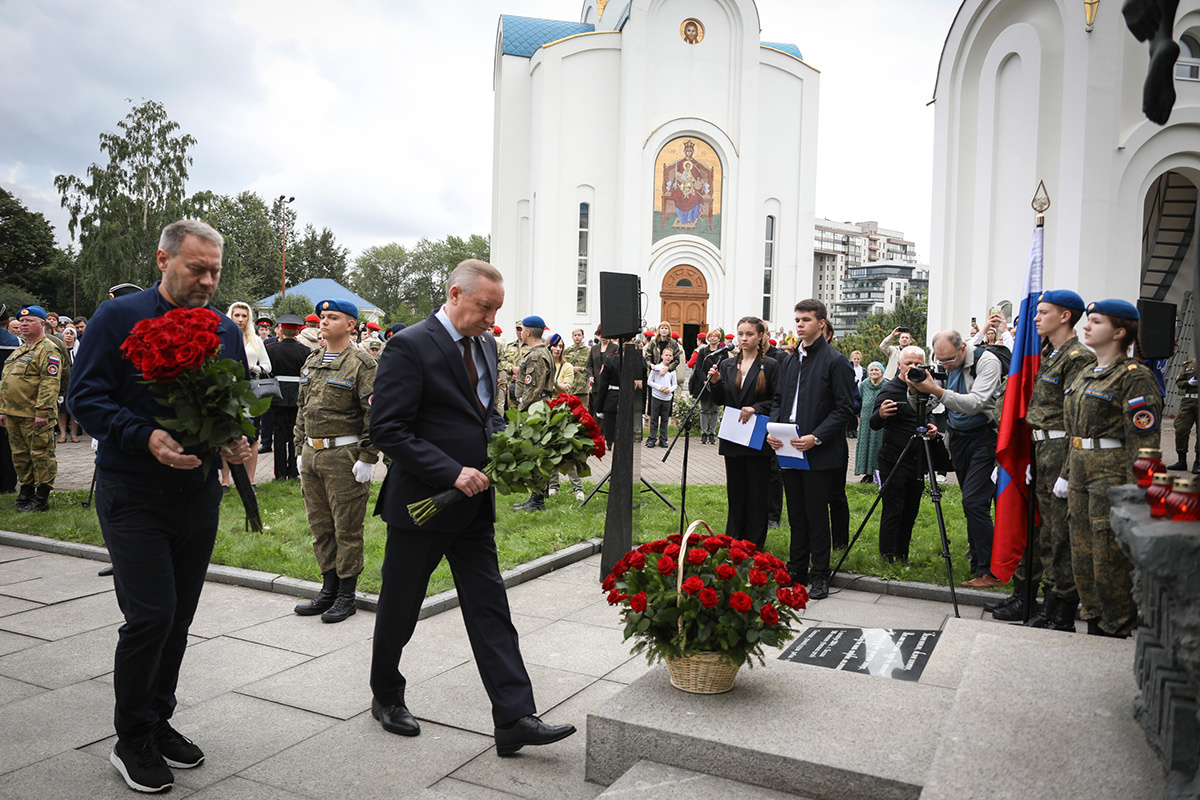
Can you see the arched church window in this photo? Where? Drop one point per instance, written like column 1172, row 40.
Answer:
column 682, row 282
column 581, row 279
column 768, row 266
column 1188, row 66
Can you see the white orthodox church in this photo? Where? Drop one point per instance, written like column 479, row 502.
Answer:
column 660, row 138
column 1035, row 90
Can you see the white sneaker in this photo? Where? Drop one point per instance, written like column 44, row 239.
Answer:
column 553, row 492
column 580, row 496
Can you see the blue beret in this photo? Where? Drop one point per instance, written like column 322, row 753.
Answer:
column 32, row 311
column 554, row 339
column 1114, row 308
column 1064, row 298
column 344, row 306
column 533, row 321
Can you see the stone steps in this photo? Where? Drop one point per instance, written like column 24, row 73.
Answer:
column 647, row 780
column 1000, row 711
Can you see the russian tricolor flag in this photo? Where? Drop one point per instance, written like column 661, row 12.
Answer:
column 1014, row 445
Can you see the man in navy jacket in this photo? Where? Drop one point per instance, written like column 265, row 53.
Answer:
column 157, row 511
column 816, row 393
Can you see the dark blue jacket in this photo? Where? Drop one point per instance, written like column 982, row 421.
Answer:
column 825, row 405
column 114, row 404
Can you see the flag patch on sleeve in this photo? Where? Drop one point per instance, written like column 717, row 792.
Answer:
column 1137, row 402
column 1144, row 420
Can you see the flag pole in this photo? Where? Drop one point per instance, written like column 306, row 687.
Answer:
column 1041, row 202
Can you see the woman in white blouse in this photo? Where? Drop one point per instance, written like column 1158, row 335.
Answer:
column 260, row 367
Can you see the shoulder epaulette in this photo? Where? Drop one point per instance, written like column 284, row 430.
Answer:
column 1132, row 366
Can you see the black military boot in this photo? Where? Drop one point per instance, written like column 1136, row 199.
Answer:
column 1181, row 464
column 1004, row 602
column 40, row 500
column 1043, row 617
column 343, row 606
column 536, row 502
column 1064, row 615
column 324, row 599
column 1015, row 611
column 24, row 496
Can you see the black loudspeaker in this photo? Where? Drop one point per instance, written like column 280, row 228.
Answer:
column 620, row 304
column 1156, row 329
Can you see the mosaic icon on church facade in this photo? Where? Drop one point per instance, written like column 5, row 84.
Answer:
column 687, row 197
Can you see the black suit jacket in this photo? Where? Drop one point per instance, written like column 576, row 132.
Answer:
column 426, row 417
column 826, row 402
column 727, row 392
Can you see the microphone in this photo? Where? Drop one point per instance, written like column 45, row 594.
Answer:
column 724, row 349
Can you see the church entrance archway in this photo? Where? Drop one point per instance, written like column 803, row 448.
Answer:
column 685, row 304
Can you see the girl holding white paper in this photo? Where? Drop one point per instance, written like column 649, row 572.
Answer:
column 746, row 382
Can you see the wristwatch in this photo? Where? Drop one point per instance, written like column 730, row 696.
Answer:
column 816, row 441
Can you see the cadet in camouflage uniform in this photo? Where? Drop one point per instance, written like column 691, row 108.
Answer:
column 510, row 360
column 29, row 390
column 1057, row 314
column 535, row 381
column 1186, row 418
column 1110, row 411
column 333, row 435
column 577, row 356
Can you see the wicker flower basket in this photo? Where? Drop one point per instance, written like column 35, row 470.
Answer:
column 705, row 672
column 702, row 673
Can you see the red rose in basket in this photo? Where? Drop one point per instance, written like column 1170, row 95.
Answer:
column 722, row 601
column 179, row 355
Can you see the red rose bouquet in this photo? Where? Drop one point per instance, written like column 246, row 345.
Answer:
column 555, row 435
column 178, row 354
column 686, row 595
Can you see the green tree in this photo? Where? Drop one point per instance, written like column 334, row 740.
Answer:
column 911, row 312
column 316, row 255
column 13, row 297
column 118, row 210
column 409, row 282
column 26, row 244
column 250, row 262
column 289, row 303
column 379, row 274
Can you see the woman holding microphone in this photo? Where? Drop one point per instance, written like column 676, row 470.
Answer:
column 746, row 382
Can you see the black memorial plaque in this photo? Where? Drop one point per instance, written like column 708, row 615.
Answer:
column 886, row 653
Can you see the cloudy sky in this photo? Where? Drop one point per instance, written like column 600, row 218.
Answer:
column 377, row 114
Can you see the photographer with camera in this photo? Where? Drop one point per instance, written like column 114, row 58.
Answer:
column 972, row 385
column 893, row 351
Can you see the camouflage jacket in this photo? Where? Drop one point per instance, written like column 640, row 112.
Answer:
column 31, row 380
column 536, row 377
column 1186, row 373
column 334, row 399
column 1056, row 374
column 513, row 355
column 1121, row 401
column 577, row 357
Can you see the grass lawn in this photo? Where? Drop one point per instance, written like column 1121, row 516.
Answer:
column 286, row 546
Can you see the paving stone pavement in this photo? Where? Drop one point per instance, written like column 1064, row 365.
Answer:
column 280, row 703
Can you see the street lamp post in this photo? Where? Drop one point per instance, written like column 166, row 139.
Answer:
column 283, row 201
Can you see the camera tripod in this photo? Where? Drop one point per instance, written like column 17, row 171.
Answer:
column 935, row 494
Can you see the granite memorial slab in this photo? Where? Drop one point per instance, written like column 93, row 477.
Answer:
column 882, row 652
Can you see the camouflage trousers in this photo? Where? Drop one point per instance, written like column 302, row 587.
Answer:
column 1184, row 421
column 1052, row 538
column 336, row 505
column 32, row 451
column 1103, row 575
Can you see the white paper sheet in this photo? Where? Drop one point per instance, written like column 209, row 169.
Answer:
column 749, row 434
column 789, row 457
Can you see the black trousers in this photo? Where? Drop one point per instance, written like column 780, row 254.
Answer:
column 160, row 543
column 808, row 515
column 283, row 419
column 746, row 494
column 839, row 511
column 901, row 498
column 775, row 501
column 973, row 454
column 8, row 473
column 264, row 426
column 409, row 559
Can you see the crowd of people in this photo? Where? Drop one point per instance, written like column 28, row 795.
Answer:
column 427, row 398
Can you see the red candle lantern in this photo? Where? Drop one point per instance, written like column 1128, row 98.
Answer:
column 1156, row 495
column 1183, row 503
column 1149, row 461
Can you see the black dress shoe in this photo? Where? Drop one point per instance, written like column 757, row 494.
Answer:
column 529, row 730
column 395, row 719
column 820, row 588
column 104, row 573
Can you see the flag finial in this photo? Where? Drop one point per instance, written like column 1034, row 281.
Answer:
column 1041, row 202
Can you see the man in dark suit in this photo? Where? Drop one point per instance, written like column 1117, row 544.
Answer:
column 434, row 411
column 287, row 359
column 815, row 392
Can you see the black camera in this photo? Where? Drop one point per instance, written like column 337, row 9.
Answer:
column 936, row 371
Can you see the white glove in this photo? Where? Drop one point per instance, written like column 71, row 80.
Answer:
column 297, row 463
column 363, row 471
column 95, row 444
column 995, row 474
column 1060, row 488
column 1028, row 474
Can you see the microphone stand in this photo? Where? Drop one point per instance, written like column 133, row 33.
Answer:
column 685, row 431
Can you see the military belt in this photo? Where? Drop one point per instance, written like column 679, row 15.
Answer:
column 336, row 441
column 288, row 378
column 1041, row 436
column 1078, row 443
